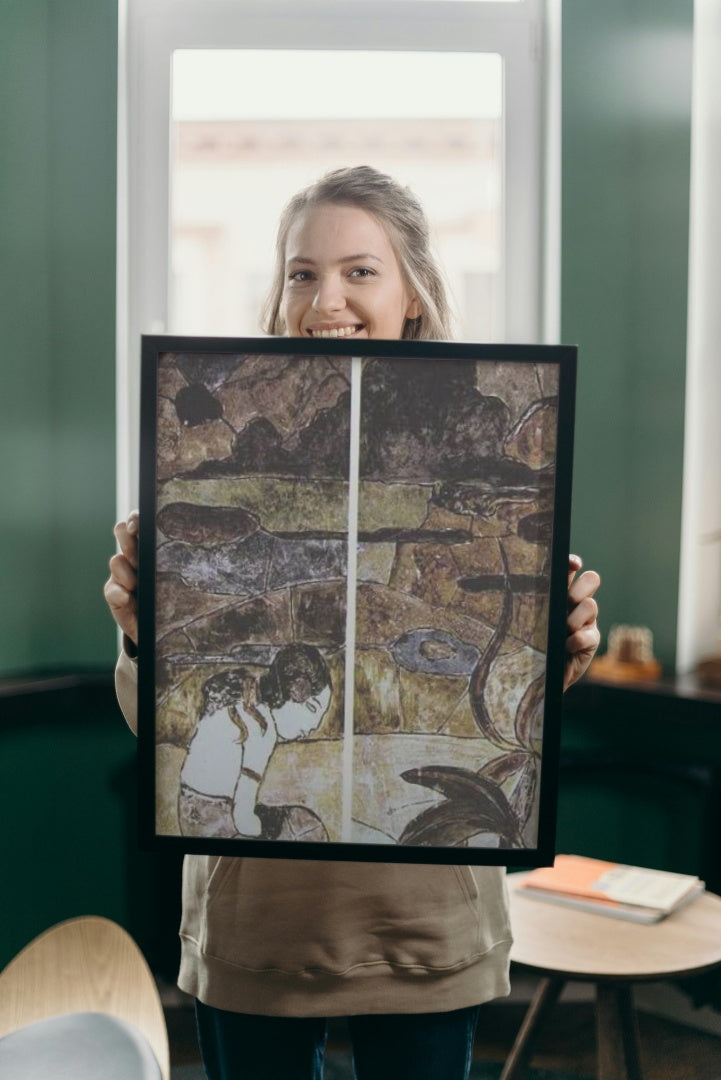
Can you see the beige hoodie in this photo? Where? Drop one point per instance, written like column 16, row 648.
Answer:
column 284, row 937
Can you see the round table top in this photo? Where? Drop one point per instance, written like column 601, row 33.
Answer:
column 559, row 940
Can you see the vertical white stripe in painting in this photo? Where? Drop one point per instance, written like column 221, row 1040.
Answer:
column 353, row 474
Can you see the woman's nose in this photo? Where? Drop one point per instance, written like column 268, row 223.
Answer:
column 329, row 296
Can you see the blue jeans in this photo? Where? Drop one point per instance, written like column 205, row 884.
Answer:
column 413, row 1046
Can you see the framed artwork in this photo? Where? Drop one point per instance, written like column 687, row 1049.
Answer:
column 352, row 597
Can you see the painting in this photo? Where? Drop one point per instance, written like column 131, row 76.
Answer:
column 352, row 597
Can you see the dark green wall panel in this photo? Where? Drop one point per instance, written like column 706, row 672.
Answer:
column 626, row 144
column 62, row 787
column 58, row 77
column 68, row 796
column 25, row 398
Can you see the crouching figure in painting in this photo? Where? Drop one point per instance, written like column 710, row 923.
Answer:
column 242, row 719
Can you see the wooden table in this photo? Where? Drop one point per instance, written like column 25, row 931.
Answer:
column 563, row 944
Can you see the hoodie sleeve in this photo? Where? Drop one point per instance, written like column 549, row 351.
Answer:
column 126, row 688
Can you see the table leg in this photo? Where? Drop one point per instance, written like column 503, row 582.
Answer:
column 617, row 1033
column 545, row 997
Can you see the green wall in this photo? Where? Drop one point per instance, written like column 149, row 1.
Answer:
column 625, row 200
column 66, row 759
column 58, row 72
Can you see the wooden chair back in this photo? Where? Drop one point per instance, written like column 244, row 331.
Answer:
column 87, row 964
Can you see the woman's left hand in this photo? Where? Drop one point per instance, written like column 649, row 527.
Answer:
column 583, row 636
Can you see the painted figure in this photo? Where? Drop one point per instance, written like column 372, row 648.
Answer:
column 242, row 720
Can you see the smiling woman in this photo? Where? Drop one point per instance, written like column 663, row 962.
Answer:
column 353, row 259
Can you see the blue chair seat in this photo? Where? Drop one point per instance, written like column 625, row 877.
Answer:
column 78, row 1046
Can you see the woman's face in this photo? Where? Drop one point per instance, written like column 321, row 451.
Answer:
column 295, row 719
column 342, row 277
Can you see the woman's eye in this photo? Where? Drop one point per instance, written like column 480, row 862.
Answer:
column 300, row 276
column 362, row 272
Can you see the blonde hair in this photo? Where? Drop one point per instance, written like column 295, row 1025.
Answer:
column 403, row 217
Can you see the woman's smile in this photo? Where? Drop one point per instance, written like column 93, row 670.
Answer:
column 335, row 331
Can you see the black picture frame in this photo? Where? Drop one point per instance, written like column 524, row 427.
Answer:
column 403, row 502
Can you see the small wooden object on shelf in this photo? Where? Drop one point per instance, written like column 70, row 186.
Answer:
column 708, row 671
column 629, row 657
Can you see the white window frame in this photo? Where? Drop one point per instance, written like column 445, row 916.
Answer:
column 526, row 34
column 699, row 597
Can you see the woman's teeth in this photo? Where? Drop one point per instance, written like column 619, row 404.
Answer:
column 337, row 331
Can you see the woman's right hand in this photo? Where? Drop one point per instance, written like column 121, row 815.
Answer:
column 121, row 587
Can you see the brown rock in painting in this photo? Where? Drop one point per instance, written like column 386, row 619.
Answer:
column 178, row 710
column 168, row 763
column 484, row 607
column 533, row 440
column 508, row 681
column 461, row 721
column 331, row 726
column 168, row 437
column 517, row 385
column 439, row 518
column 525, row 557
column 383, row 614
column 262, row 620
column 288, row 394
column 319, row 613
column 428, row 571
column 508, row 515
column 376, row 705
column 182, row 448
column 530, row 620
column 429, row 701
column 482, row 556
column 177, row 603
column 170, row 380
column 548, row 378
column 375, row 562
column 206, row 525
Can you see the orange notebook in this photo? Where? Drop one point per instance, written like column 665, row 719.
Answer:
column 631, row 892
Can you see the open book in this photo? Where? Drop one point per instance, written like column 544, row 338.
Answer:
column 608, row 888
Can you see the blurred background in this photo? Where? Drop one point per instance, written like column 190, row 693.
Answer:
column 623, row 194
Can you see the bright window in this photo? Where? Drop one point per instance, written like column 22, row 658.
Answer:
column 227, row 107
column 236, row 160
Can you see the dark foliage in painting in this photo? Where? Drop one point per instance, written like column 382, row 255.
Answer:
column 473, row 804
column 420, row 426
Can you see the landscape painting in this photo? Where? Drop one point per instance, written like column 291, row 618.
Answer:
column 352, row 601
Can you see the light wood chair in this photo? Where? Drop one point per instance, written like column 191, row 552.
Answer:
column 85, row 965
